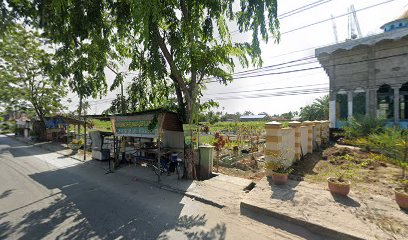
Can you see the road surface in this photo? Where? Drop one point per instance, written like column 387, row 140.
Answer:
column 46, row 196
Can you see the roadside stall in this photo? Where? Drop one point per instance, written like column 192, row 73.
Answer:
column 101, row 145
column 148, row 137
column 57, row 128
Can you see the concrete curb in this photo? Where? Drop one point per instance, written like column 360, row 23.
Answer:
column 154, row 183
column 321, row 230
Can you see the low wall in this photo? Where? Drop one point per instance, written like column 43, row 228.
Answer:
column 303, row 139
column 287, row 145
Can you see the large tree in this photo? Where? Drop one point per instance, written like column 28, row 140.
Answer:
column 175, row 44
column 26, row 72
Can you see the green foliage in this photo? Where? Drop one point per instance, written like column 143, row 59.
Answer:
column 362, row 126
column 27, row 73
column 318, row 110
column 99, row 125
column 392, row 142
column 78, row 142
column 171, row 44
column 8, row 127
column 277, row 167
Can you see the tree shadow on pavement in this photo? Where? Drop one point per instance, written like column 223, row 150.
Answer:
column 6, row 193
column 109, row 211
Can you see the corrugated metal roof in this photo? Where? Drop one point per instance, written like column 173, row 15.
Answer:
column 252, row 116
column 366, row 41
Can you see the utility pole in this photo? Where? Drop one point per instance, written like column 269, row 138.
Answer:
column 353, row 24
column 122, row 98
column 336, row 38
column 79, row 116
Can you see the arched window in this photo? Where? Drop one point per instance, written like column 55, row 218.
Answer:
column 385, row 102
column 359, row 103
column 341, row 106
column 404, row 101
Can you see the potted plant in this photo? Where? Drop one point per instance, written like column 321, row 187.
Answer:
column 393, row 142
column 339, row 185
column 277, row 171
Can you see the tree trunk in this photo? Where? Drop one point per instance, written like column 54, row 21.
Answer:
column 79, row 117
column 189, row 158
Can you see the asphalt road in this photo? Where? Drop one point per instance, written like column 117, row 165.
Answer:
column 46, row 196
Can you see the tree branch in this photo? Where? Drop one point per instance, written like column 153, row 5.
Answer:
column 173, row 68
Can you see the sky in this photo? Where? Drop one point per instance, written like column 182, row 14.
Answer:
column 255, row 94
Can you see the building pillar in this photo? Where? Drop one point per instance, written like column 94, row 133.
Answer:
column 325, row 132
column 396, row 106
column 318, row 133
column 296, row 126
column 332, row 110
column 309, row 126
column 367, row 102
column 350, row 104
column 273, row 146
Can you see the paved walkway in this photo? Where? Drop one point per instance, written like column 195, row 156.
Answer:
column 219, row 191
column 315, row 208
column 44, row 195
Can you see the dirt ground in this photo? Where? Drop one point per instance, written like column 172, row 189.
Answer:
column 254, row 175
column 373, row 176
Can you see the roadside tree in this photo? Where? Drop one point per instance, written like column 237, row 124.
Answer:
column 26, row 71
column 177, row 45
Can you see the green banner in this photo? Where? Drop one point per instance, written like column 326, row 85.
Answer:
column 133, row 125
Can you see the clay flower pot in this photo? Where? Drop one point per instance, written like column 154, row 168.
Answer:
column 279, row 178
column 339, row 187
column 401, row 197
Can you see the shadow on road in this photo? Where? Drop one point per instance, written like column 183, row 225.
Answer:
column 6, row 193
column 87, row 210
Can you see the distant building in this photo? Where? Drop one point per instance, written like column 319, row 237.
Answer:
column 369, row 76
column 253, row 118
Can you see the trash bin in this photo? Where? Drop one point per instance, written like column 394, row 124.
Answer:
column 206, row 161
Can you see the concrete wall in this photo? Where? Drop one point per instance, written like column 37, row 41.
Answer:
column 363, row 69
column 288, row 146
column 303, row 139
column 283, row 144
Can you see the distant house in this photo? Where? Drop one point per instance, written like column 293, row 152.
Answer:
column 253, row 118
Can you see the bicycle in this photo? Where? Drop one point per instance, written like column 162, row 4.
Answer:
column 169, row 165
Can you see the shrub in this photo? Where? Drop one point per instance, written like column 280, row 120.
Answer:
column 393, row 143
column 362, row 126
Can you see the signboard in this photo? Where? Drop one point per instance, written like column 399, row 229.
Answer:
column 137, row 126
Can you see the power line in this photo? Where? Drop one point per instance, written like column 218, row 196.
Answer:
column 314, row 68
column 292, row 71
column 330, row 19
column 294, row 92
column 292, row 12
column 270, row 89
column 277, row 94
